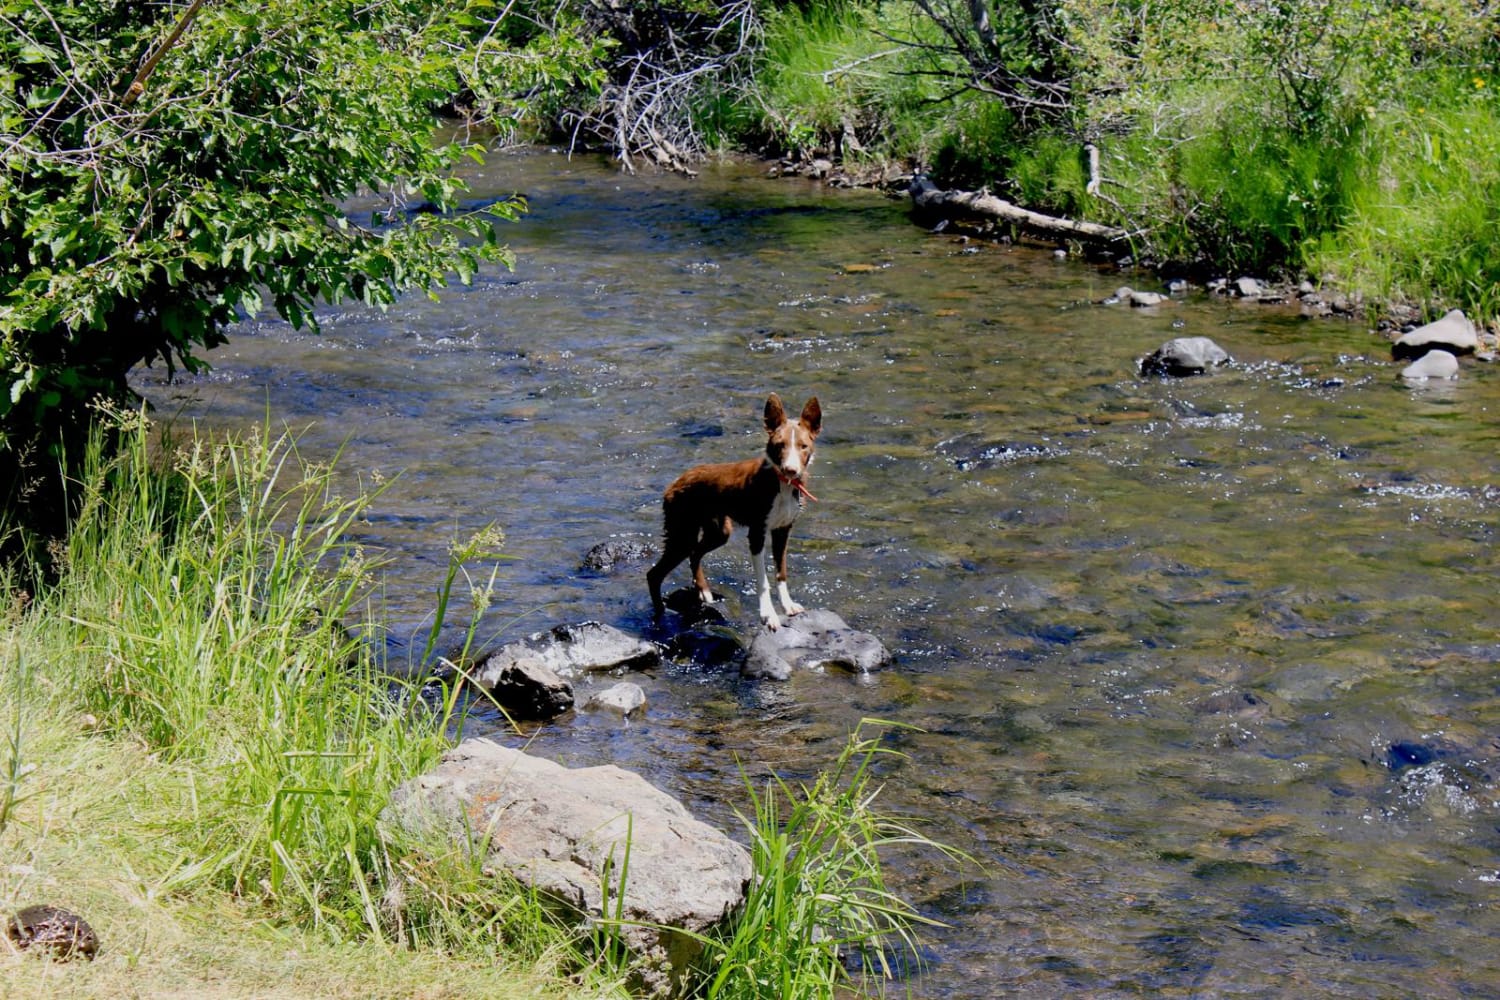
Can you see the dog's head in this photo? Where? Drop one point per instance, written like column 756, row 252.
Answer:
column 789, row 445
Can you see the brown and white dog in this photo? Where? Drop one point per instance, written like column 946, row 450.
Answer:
column 765, row 494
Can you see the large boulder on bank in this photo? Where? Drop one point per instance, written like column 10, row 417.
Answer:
column 1452, row 333
column 813, row 640
column 1184, row 356
column 571, row 651
column 567, row 833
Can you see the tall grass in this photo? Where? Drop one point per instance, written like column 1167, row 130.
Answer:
column 820, row 905
column 198, row 622
column 829, row 73
column 189, row 735
column 1425, row 224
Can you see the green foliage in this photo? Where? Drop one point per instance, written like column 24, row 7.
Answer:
column 830, row 76
column 978, row 147
column 1250, row 199
column 1050, row 174
column 137, row 221
column 1424, row 225
column 818, row 894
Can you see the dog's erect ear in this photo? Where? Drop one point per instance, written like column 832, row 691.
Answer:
column 775, row 413
column 812, row 416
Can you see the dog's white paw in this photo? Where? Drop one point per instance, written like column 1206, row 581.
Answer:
column 771, row 622
column 792, row 608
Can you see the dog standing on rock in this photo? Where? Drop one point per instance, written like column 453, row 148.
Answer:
column 765, row 494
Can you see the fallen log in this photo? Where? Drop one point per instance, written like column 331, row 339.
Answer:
column 928, row 199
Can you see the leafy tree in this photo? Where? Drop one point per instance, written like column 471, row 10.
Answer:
column 168, row 168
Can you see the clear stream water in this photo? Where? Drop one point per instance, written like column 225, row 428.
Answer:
column 1205, row 673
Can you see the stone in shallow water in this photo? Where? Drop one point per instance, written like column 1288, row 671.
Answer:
column 1452, row 334
column 814, row 640
column 570, row 651
column 523, row 686
column 1434, row 364
column 606, row 557
column 1184, row 356
column 618, row 699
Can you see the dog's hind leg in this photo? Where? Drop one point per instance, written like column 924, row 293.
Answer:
column 674, row 551
column 713, row 534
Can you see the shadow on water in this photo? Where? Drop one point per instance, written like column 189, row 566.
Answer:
column 1205, row 670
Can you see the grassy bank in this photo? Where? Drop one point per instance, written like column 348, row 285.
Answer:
column 194, row 753
column 1357, row 145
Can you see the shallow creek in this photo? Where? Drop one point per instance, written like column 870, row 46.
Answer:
column 1205, row 673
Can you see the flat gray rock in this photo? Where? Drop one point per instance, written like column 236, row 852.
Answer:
column 814, row 640
column 565, row 833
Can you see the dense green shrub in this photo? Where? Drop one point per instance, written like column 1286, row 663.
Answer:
column 167, row 170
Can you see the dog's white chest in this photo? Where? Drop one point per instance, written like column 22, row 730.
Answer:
column 785, row 509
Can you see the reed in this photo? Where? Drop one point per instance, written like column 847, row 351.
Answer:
column 820, row 919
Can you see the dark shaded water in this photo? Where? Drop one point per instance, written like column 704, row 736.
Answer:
column 1207, row 672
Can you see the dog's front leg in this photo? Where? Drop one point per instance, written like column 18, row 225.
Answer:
column 763, row 584
column 778, row 551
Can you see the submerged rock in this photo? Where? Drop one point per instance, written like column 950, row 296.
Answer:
column 1135, row 297
column 813, row 640
column 1453, row 333
column 606, row 557
column 570, row 833
column 1184, row 356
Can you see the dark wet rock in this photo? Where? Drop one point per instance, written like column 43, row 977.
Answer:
column 1242, row 704
column 1452, row 333
column 571, row 651
column 617, row 699
column 523, row 685
column 53, row 931
column 606, row 557
column 565, row 833
column 1432, row 365
column 699, row 430
column 814, row 640
column 686, row 602
column 706, row 644
column 1184, row 356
